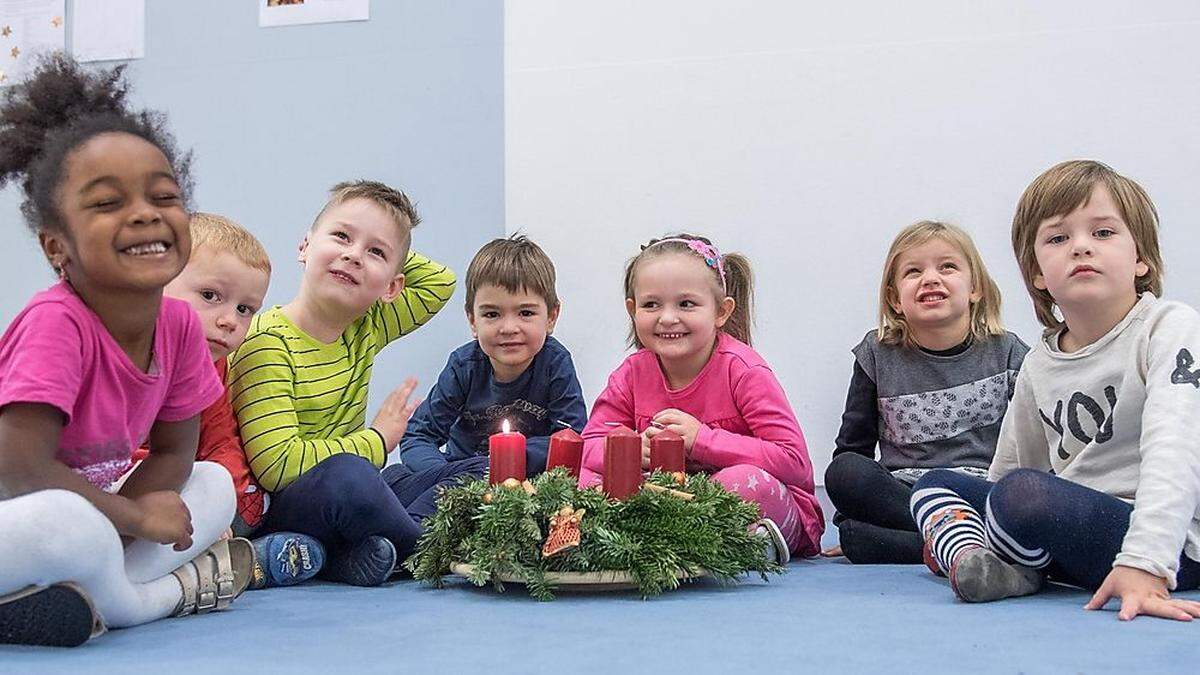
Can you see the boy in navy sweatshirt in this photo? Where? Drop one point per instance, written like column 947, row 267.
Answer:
column 513, row 370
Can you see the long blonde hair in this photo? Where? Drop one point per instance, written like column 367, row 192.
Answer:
column 738, row 282
column 985, row 312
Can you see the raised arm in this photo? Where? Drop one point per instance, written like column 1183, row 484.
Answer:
column 428, row 286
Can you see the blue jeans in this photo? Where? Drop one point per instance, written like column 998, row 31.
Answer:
column 341, row 501
column 1081, row 529
column 418, row 490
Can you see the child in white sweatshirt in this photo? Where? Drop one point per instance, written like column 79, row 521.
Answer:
column 1096, row 477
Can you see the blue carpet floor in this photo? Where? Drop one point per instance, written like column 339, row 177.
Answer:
column 821, row 615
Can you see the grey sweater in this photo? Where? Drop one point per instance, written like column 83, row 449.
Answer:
column 936, row 410
column 1118, row 416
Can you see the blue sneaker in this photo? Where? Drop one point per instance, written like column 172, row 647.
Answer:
column 286, row 559
column 370, row 563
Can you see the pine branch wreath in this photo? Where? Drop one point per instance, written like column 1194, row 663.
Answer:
column 653, row 535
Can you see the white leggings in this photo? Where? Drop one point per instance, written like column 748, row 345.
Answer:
column 57, row 535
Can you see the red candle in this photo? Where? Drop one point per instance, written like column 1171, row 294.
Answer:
column 506, row 456
column 566, row 449
column 666, row 452
column 622, row 463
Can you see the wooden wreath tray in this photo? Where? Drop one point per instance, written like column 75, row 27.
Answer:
column 608, row 580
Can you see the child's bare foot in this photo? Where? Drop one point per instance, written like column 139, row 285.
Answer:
column 835, row 552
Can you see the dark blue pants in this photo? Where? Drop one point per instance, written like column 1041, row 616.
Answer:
column 872, row 517
column 342, row 501
column 1080, row 529
column 418, row 490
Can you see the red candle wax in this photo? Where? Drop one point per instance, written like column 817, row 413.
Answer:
column 666, row 452
column 566, row 449
column 506, row 456
column 622, row 463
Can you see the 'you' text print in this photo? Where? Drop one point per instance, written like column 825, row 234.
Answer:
column 1082, row 403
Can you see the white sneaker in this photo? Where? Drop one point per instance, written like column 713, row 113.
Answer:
column 777, row 548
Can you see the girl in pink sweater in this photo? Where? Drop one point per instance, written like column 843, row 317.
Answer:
column 695, row 374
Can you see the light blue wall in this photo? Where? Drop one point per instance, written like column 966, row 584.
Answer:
column 413, row 97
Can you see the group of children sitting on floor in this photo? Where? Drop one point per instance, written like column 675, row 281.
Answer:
column 1081, row 470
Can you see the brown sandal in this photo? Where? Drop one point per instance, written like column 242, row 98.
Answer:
column 222, row 573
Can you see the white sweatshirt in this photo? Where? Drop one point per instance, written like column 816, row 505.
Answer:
column 1117, row 416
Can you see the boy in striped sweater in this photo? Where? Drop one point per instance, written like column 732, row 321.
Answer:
column 299, row 382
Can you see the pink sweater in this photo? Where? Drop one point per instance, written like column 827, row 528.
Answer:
column 744, row 413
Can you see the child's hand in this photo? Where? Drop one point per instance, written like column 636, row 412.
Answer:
column 646, row 436
column 393, row 416
column 681, row 423
column 165, row 519
column 1141, row 593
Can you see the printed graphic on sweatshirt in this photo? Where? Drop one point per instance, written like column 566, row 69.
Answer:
column 1085, row 418
column 934, row 415
column 522, row 416
column 1183, row 369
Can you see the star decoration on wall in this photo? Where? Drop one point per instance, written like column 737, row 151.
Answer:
column 16, row 51
column 6, row 31
column 56, row 21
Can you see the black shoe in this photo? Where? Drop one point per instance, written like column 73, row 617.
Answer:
column 370, row 563
column 55, row 616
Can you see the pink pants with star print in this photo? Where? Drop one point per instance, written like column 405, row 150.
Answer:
column 774, row 501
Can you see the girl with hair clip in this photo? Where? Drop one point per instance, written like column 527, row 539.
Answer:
column 929, row 388
column 95, row 365
column 696, row 374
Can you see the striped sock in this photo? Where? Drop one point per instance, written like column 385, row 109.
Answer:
column 1008, row 549
column 949, row 523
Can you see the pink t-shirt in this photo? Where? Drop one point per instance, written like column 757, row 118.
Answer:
column 58, row 352
column 744, row 414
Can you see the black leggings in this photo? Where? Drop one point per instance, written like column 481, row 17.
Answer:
column 873, row 518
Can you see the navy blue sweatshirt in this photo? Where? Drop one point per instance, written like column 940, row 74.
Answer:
column 467, row 405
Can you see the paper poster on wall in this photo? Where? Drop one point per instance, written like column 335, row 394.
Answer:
column 28, row 28
column 295, row 12
column 105, row 30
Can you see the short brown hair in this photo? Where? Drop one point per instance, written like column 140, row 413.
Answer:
column 394, row 202
column 985, row 313
column 514, row 264
column 222, row 234
column 1062, row 189
column 738, row 282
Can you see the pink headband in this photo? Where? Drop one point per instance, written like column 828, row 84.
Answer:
column 712, row 257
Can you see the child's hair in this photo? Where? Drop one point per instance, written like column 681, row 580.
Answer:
column 57, row 109
column 222, row 234
column 985, row 313
column 394, row 202
column 737, row 281
column 514, row 264
column 1062, row 189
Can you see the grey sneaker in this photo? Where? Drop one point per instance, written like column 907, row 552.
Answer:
column 979, row 575
column 777, row 548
